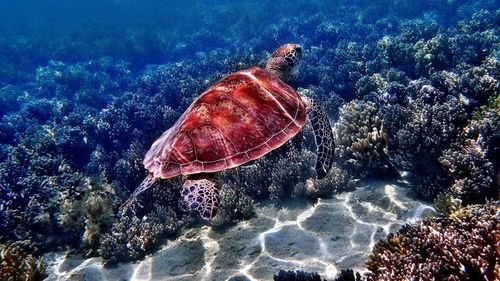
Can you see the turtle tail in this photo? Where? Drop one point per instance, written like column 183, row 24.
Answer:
column 323, row 136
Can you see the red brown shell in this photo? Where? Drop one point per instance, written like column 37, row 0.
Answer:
column 240, row 118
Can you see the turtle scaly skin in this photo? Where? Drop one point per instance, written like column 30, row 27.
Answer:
column 323, row 136
column 202, row 195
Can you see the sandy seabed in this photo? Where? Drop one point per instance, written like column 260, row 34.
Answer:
column 326, row 237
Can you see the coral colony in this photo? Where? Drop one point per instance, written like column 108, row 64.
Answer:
column 411, row 89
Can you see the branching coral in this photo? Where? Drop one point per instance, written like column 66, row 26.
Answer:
column 423, row 46
column 334, row 182
column 473, row 164
column 292, row 168
column 131, row 238
column 234, row 205
column 360, row 144
column 297, row 275
column 71, row 112
column 379, row 82
column 330, row 101
column 286, row 172
column 480, row 82
column 418, row 127
column 460, row 247
column 49, row 148
column 348, row 275
column 87, row 212
column 15, row 264
column 446, row 204
column 91, row 83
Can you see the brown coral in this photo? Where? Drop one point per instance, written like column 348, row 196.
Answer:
column 88, row 211
column 17, row 265
column 460, row 247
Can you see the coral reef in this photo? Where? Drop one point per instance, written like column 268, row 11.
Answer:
column 335, row 181
column 286, row 172
column 446, row 204
column 90, row 83
column 297, row 275
column 418, row 126
column 463, row 246
column 80, row 105
column 348, row 275
column 474, row 162
column 16, row 264
column 144, row 226
column 360, row 144
column 47, row 160
column 87, row 212
column 234, row 205
column 131, row 237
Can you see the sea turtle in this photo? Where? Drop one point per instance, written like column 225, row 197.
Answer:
column 240, row 118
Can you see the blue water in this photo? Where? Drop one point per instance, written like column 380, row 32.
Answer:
column 410, row 88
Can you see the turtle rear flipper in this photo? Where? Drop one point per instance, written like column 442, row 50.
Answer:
column 145, row 185
column 323, row 136
column 202, row 194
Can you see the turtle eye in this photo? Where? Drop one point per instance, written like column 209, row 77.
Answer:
column 298, row 51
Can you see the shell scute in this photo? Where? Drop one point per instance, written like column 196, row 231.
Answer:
column 240, row 118
column 172, row 168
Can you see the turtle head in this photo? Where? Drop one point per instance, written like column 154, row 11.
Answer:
column 284, row 61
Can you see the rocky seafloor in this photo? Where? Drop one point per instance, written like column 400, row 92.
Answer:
column 324, row 236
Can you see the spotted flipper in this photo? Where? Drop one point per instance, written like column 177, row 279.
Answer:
column 323, row 136
column 202, row 195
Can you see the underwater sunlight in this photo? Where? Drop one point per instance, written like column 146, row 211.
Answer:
column 249, row 140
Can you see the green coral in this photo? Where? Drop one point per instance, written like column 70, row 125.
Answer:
column 393, row 244
column 131, row 238
column 492, row 105
column 447, row 204
column 87, row 211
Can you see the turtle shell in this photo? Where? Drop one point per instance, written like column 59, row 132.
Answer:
column 240, row 118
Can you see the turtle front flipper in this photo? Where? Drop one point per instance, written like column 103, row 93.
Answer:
column 202, row 194
column 323, row 136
